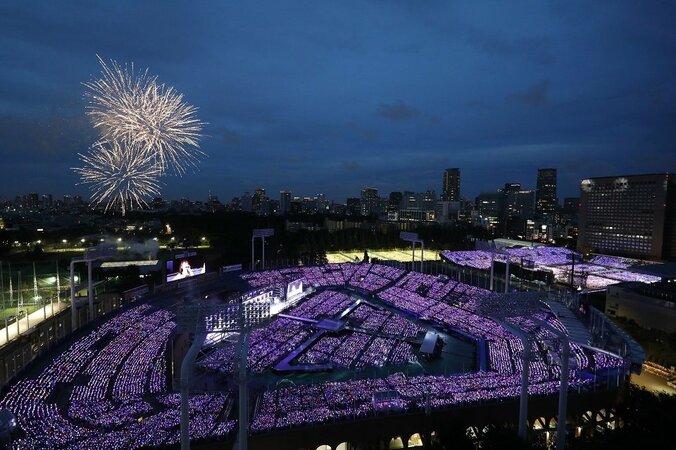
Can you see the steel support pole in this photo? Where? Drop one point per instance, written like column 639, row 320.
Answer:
column 186, row 372
column 523, row 401
column 73, row 312
column 563, row 388
column 422, row 256
column 507, row 274
column 563, row 395
column 243, row 433
column 492, row 269
column 4, row 312
column 525, row 363
column 90, row 290
column 253, row 239
column 263, row 249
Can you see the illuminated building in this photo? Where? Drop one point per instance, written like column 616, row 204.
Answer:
column 630, row 215
column 546, row 202
column 451, row 185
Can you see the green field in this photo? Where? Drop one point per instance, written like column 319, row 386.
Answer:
column 398, row 254
column 9, row 312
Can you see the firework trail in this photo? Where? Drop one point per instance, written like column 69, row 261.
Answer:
column 131, row 107
column 120, row 176
column 146, row 129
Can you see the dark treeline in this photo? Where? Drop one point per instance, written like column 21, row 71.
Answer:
column 230, row 236
column 297, row 238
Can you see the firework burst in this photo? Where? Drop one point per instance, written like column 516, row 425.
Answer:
column 131, row 107
column 120, row 176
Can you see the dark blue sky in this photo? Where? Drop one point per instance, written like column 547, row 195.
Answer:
column 331, row 96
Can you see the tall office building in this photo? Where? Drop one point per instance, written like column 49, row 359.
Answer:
column 257, row 199
column 519, row 205
column 418, row 206
column 451, row 185
column 490, row 207
column 353, row 206
column 370, row 203
column 284, row 202
column 630, row 215
column 546, row 202
column 394, row 202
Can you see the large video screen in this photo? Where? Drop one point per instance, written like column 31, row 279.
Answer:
column 185, row 265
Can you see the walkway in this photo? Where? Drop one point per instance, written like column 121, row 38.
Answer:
column 31, row 321
column 576, row 329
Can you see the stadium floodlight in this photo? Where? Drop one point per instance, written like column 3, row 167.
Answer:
column 413, row 238
column 573, row 258
column 223, row 318
column 406, row 236
column 526, row 304
column 91, row 254
column 261, row 233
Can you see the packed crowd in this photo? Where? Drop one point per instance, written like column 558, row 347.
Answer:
column 109, row 389
column 325, row 402
column 366, row 277
column 599, row 271
column 444, row 303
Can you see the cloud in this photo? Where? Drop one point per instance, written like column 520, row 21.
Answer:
column 365, row 133
column 536, row 95
column 59, row 136
column 396, row 111
column 536, row 49
column 349, row 165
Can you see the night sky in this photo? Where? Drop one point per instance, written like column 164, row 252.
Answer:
column 326, row 97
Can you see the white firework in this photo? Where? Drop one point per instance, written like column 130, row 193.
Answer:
column 120, row 176
column 128, row 106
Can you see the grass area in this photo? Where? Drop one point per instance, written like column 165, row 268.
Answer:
column 659, row 346
column 397, row 254
column 7, row 312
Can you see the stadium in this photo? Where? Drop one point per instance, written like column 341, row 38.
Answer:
column 553, row 265
column 334, row 356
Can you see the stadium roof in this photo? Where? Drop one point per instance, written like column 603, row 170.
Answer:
column 502, row 242
column 116, row 264
column 663, row 270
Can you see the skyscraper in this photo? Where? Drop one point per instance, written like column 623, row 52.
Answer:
column 284, row 202
column 394, row 202
column 491, row 207
column 546, row 202
column 354, row 206
column 633, row 215
column 369, row 201
column 451, row 191
column 518, row 208
column 257, row 199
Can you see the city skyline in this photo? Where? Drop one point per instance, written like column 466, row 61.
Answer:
column 336, row 97
column 294, row 194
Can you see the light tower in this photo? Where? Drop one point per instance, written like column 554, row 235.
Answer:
column 221, row 318
column 503, row 308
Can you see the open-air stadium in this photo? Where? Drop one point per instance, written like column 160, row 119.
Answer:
column 342, row 356
column 597, row 272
